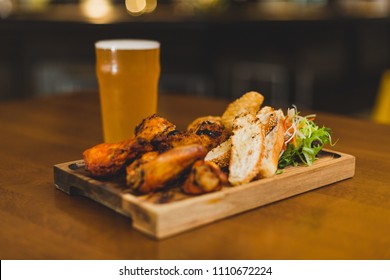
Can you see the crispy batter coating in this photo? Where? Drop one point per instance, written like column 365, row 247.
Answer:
column 148, row 170
column 206, row 131
column 250, row 102
column 153, row 126
column 107, row 159
column 211, row 131
column 163, row 169
column 198, row 122
column 176, row 138
column 204, row 177
column 133, row 168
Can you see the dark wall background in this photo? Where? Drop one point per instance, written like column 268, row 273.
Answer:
column 331, row 64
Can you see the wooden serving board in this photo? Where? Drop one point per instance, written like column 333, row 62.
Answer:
column 169, row 212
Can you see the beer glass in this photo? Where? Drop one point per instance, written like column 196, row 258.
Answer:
column 128, row 71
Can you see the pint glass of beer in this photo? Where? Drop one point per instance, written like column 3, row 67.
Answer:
column 128, row 71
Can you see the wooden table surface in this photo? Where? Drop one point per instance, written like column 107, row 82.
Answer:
column 345, row 220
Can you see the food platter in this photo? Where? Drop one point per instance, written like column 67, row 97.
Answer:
column 169, row 212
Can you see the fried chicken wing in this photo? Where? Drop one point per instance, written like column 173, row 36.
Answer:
column 204, row 177
column 199, row 122
column 210, row 129
column 107, row 159
column 153, row 126
column 165, row 168
column 133, row 168
column 206, row 131
column 174, row 139
column 153, row 133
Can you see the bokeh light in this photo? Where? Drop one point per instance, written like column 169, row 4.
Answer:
column 96, row 9
column 5, row 8
column 139, row 7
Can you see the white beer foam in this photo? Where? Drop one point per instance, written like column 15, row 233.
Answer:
column 127, row 44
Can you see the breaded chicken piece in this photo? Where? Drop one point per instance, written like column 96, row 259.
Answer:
column 204, row 177
column 107, row 159
column 153, row 126
column 206, row 131
column 163, row 169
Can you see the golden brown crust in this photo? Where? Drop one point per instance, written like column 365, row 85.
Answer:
column 107, row 159
column 206, row 131
column 153, row 126
column 268, row 117
column 274, row 142
column 133, row 168
column 210, row 129
column 198, row 122
column 165, row 142
column 244, row 139
column 165, row 168
column 250, row 102
column 205, row 177
column 220, row 155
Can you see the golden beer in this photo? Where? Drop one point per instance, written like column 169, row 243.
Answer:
column 128, row 72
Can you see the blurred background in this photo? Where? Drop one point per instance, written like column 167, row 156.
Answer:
column 327, row 55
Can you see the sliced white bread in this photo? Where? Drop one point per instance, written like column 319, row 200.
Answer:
column 247, row 149
column 272, row 120
column 220, row 155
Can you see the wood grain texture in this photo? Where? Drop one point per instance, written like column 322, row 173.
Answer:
column 178, row 212
column 345, row 220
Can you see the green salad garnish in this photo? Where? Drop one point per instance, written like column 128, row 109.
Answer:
column 304, row 139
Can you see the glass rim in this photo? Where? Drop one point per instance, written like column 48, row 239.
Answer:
column 127, row 44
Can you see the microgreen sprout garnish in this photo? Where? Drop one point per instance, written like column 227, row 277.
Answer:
column 303, row 139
